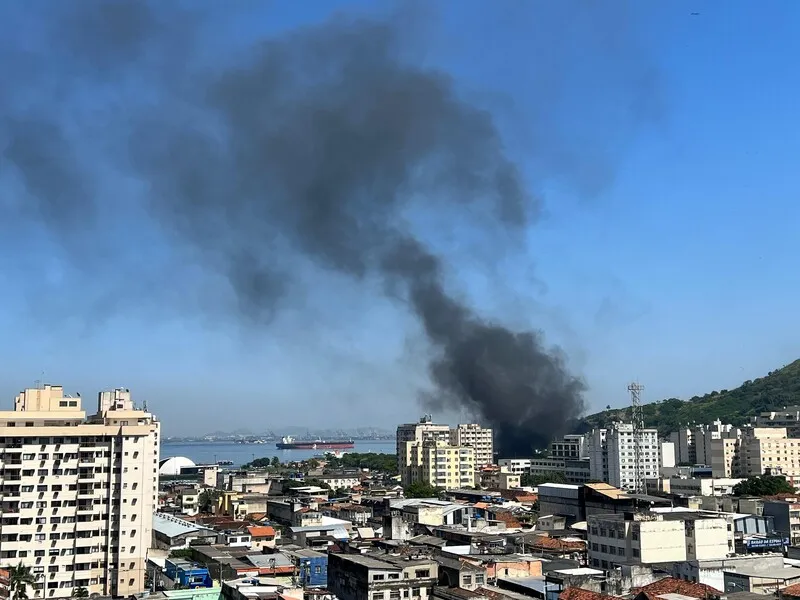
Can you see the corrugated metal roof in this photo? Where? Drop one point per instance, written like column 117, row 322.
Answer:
column 263, row 561
column 173, row 526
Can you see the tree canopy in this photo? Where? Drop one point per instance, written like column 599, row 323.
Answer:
column 763, row 485
column 374, row 461
column 533, row 480
column 420, row 489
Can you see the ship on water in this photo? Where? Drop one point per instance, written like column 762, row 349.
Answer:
column 289, row 443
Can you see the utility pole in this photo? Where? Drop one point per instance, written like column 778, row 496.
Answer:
column 637, row 419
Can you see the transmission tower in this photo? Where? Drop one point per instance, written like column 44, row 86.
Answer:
column 637, row 419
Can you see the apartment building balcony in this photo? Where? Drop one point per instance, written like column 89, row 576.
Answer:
column 88, row 525
column 87, row 492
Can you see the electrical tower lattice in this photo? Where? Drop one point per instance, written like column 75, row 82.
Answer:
column 637, row 419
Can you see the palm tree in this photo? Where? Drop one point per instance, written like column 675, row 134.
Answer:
column 20, row 577
column 80, row 592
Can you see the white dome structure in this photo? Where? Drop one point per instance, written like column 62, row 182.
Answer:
column 172, row 466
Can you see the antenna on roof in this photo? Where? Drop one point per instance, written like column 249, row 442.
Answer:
column 637, row 418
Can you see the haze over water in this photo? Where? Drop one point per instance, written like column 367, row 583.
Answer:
column 212, row 452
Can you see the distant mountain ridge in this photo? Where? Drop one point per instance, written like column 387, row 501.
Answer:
column 773, row 392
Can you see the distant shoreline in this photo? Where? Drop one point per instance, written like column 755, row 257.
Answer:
column 260, row 443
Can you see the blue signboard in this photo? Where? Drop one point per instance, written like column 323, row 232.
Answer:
column 767, row 542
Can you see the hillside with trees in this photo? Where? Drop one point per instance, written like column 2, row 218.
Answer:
column 778, row 389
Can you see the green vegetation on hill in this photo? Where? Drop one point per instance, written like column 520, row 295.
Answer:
column 778, row 389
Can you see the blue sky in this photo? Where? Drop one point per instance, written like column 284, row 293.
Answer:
column 676, row 268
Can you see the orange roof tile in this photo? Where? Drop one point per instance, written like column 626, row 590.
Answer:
column 550, row 543
column 265, row 531
column 671, row 585
column 575, row 593
column 791, row 590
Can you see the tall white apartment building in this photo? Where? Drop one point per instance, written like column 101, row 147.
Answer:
column 424, row 430
column 78, row 494
column 612, row 455
column 475, row 436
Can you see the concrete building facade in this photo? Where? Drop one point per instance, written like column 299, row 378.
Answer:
column 381, row 576
column 440, row 464
column 612, row 456
column 78, row 494
column 477, row 437
column 655, row 538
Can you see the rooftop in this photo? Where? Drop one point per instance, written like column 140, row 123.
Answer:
column 671, row 585
column 171, row 526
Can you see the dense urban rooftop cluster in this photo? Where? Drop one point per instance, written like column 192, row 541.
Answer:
column 90, row 507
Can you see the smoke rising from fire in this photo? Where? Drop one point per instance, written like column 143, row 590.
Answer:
column 323, row 145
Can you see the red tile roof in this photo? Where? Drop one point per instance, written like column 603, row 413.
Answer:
column 791, row 590
column 258, row 532
column 671, row 585
column 551, row 543
column 575, row 593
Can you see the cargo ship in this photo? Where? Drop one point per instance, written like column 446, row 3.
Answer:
column 289, row 443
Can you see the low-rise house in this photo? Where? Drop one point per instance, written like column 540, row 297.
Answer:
column 223, row 562
column 260, row 588
column 410, row 517
column 712, row 572
column 381, row 576
column 760, row 581
column 357, row 514
column 237, row 538
column 188, row 500
column 338, row 481
column 276, row 564
column 460, row 573
column 312, row 567
column 294, row 513
column 259, row 482
column 239, row 504
column 187, row 574
column 499, row 478
column 262, row 536
column 323, row 535
column 173, row 533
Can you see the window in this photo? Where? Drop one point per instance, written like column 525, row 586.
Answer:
column 635, row 552
column 420, row 573
column 479, row 578
column 394, row 594
column 415, row 592
column 378, row 577
column 467, row 579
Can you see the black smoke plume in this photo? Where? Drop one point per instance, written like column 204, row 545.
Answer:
column 325, row 145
